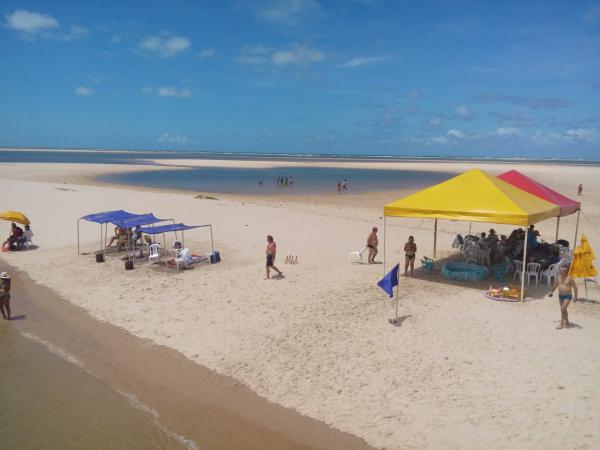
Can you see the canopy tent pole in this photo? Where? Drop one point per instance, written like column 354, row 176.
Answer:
column 101, row 249
column 165, row 250
column 384, row 228
column 212, row 245
column 434, row 238
column 470, row 223
column 523, row 269
column 576, row 229
column 557, row 226
column 182, row 238
column 105, row 234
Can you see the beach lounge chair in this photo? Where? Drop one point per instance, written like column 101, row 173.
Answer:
column 358, row 255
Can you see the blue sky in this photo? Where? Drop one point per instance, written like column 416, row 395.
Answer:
column 312, row 76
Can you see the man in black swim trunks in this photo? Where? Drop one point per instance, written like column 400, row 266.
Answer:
column 271, row 253
column 372, row 243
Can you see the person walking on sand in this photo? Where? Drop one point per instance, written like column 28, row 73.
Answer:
column 372, row 243
column 271, row 253
column 580, row 189
column 5, row 295
column 410, row 253
column 344, row 186
column 565, row 284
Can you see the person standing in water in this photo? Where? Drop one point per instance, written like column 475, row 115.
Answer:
column 271, row 253
column 344, row 186
column 5, row 295
column 565, row 284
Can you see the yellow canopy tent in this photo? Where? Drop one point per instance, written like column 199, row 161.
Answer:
column 473, row 196
column 14, row 216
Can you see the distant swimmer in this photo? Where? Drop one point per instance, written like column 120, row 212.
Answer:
column 291, row 181
column 344, row 186
column 5, row 295
column 339, row 187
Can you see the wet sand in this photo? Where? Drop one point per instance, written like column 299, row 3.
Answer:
column 213, row 410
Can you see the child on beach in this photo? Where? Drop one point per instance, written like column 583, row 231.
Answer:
column 5, row 295
column 565, row 284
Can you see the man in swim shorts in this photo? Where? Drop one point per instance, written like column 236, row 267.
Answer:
column 271, row 253
column 5, row 295
column 410, row 253
column 565, row 284
column 372, row 243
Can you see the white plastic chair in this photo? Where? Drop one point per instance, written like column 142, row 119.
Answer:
column 533, row 271
column 518, row 265
column 358, row 254
column 183, row 259
column 550, row 274
column 154, row 254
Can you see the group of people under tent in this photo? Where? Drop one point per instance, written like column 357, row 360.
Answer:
column 18, row 238
column 511, row 247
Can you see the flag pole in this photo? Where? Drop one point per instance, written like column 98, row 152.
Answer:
column 398, row 291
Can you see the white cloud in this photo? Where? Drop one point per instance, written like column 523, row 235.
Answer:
column 75, row 32
column 462, row 111
column 167, row 138
column 254, row 55
column 456, row 134
column 296, row 54
column 167, row 91
column 507, row 131
column 364, row 61
column 300, row 55
column 287, row 12
column 84, row 91
column 569, row 136
column 30, row 22
column 434, row 122
column 206, row 53
column 164, row 46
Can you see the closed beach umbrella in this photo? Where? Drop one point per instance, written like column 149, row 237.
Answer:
column 582, row 265
column 14, row 216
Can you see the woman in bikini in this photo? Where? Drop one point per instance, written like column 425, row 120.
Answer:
column 410, row 251
column 565, row 284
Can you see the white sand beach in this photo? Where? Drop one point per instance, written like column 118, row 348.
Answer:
column 460, row 371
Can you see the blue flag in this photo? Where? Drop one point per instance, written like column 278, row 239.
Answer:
column 388, row 282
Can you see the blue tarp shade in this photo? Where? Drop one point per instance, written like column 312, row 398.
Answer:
column 108, row 216
column 137, row 219
column 169, row 228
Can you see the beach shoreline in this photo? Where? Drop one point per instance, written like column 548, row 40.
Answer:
column 214, row 411
column 318, row 341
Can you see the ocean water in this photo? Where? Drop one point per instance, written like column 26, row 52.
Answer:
column 306, row 180
column 48, row 402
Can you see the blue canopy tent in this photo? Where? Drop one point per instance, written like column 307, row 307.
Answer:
column 175, row 227
column 119, row 218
